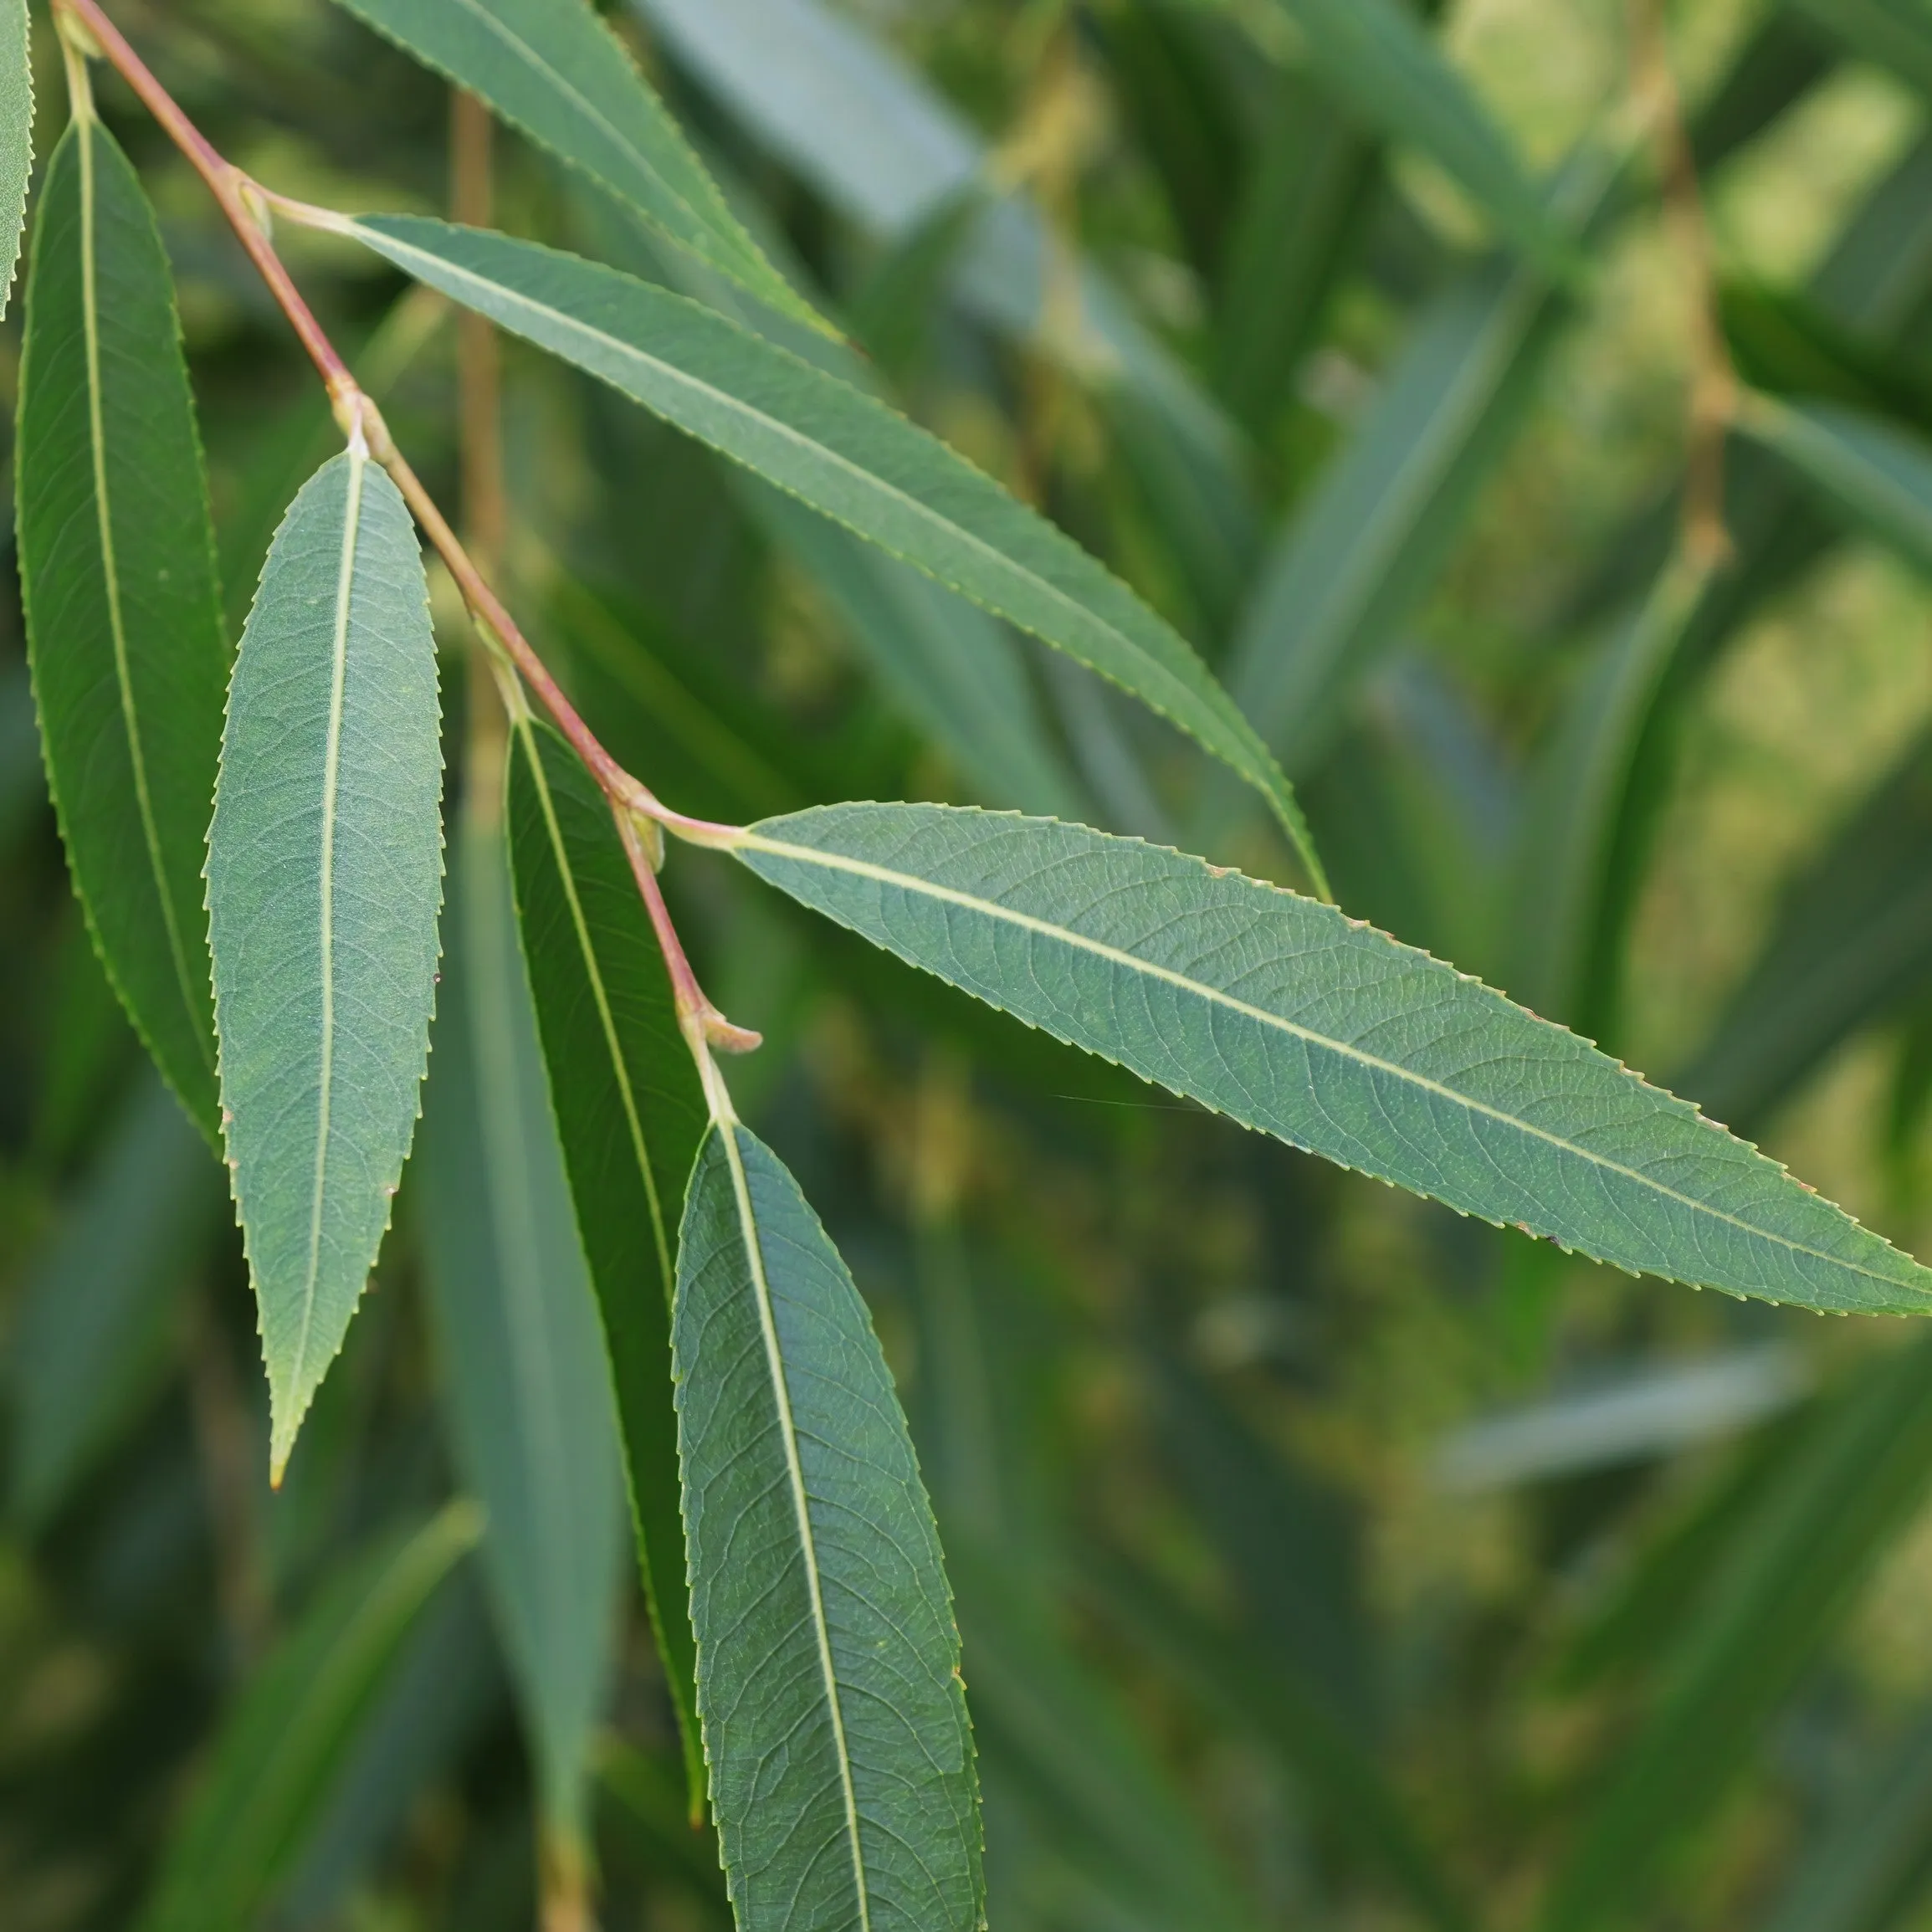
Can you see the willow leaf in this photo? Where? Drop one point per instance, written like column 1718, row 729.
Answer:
column 1379, row 58
column 554, row 69
column 834, row 1717
column 1877, row 476
column 630, row 1131
column 123, row 617
column 524, row 1385
column 844, row 454
column 1331, row 1035
column 325, row 875
column 16, row 134
column 277, row 1754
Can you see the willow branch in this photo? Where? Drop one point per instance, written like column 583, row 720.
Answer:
column 1713, row 383
column 248, row 209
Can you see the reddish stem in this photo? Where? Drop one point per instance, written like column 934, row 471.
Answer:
column 246, row 208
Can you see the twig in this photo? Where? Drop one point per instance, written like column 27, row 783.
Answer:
column 250, row 208
column 1713, row 383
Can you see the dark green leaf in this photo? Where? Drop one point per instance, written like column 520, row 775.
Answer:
column 844, row 454
column 630, row 1115
column 279, row 1751
column 1853, row 941
column 124, row 620
column 1778, row 1590
column 1293, row 1019
column 525, row 1384
column 325, row 875
column 1891, row 33
column 553, row 69
column 92, row 1328
column 834, row 1717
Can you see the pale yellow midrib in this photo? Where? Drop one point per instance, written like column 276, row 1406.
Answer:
column 909, row 882
column 331, row 772
column 111, row 577
column 632, row 1119
column 821, row 1629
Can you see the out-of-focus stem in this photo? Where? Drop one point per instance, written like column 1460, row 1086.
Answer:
column 1713, row 383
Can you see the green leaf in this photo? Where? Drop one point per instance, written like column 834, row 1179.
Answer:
column 554, row 69
column 1877, row 477
column 844, row 454
column 325, row 875
column 834, row 1717
column 1379, row 58
column 526, row 1385
column 1360, row 555
column 1772, row 1596
column 1867, row 1866
column 1301, row 1023
column 631, row 1117
column 123, row 616
column 1891, row 33
column 1852, row 941
column 90, row 1336
column 16, row 134
column 279, row 1751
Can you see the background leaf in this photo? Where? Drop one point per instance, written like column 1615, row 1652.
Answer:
column 835, row 1721
column 280, row 1748
column 554, row 69
column 324, row 880
column 117, row 575
column 525, row 1384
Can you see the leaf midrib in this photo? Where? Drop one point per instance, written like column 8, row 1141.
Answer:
column 1255, row 770
column 727, row 1127
column 110, row 579
column 908, row 882
column 331, row 777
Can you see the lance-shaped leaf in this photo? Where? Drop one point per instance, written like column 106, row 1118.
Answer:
column 554, row 69
column 1878, row 477
column 1378, row 57
column 834, row 1719
column 16, row 134
column 630, row 1117
column 1293, row 1019
column 124, row 619
column 325, row 875
column 843, row 453
column 295, row 1724
column 525, row 1384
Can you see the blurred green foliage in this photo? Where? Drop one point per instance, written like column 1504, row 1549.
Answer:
column 1321, row 1558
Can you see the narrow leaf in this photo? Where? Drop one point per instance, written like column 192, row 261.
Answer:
column 1355, row 560
column 524, row 1383
column 1768, row 1601
column 844, row 454
column 1891, row 33
column 1378, row 57
column 1877, row 477
column 16, row 134
column 834, row 1717
column 1299, row 1022
column 1852, row 941
column 89, row 1337
column 124, row 619
column 554, row 69
column 630, row 1117
column 325, row 875
column 278, row 1753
